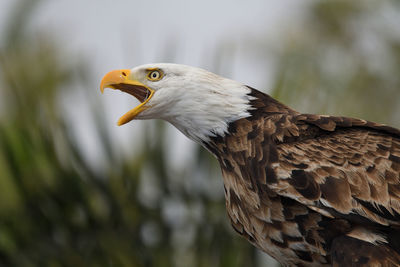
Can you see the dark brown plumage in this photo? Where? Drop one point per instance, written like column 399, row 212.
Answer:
column 312, row 190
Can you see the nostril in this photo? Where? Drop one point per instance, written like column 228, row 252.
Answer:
column 124, row 73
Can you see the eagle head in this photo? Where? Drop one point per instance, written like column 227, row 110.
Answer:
column 197, row 102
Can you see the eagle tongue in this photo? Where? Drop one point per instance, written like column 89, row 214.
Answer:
column 140, row 92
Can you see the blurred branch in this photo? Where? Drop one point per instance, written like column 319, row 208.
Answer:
column 19, row 18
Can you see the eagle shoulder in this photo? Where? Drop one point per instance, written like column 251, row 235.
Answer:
column 337, row 172
column 295, row 183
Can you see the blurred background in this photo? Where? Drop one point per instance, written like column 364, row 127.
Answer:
column 76, row 190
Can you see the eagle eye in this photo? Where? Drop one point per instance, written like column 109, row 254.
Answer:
column 154, row 75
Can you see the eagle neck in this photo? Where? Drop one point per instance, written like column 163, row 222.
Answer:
column 262, row 107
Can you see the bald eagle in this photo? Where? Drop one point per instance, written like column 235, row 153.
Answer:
column 309, row 190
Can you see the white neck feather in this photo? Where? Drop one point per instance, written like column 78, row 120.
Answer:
column 204, row 118
column 201, row 104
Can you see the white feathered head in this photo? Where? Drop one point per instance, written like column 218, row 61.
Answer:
column 199, row 103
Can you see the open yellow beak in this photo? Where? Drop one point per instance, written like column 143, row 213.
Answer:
column 119, row 79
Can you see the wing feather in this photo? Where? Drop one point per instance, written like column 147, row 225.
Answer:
column 349, row 165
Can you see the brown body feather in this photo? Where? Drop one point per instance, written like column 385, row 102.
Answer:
column 313, row 190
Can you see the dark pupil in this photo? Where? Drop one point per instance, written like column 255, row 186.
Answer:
column 154, row 75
